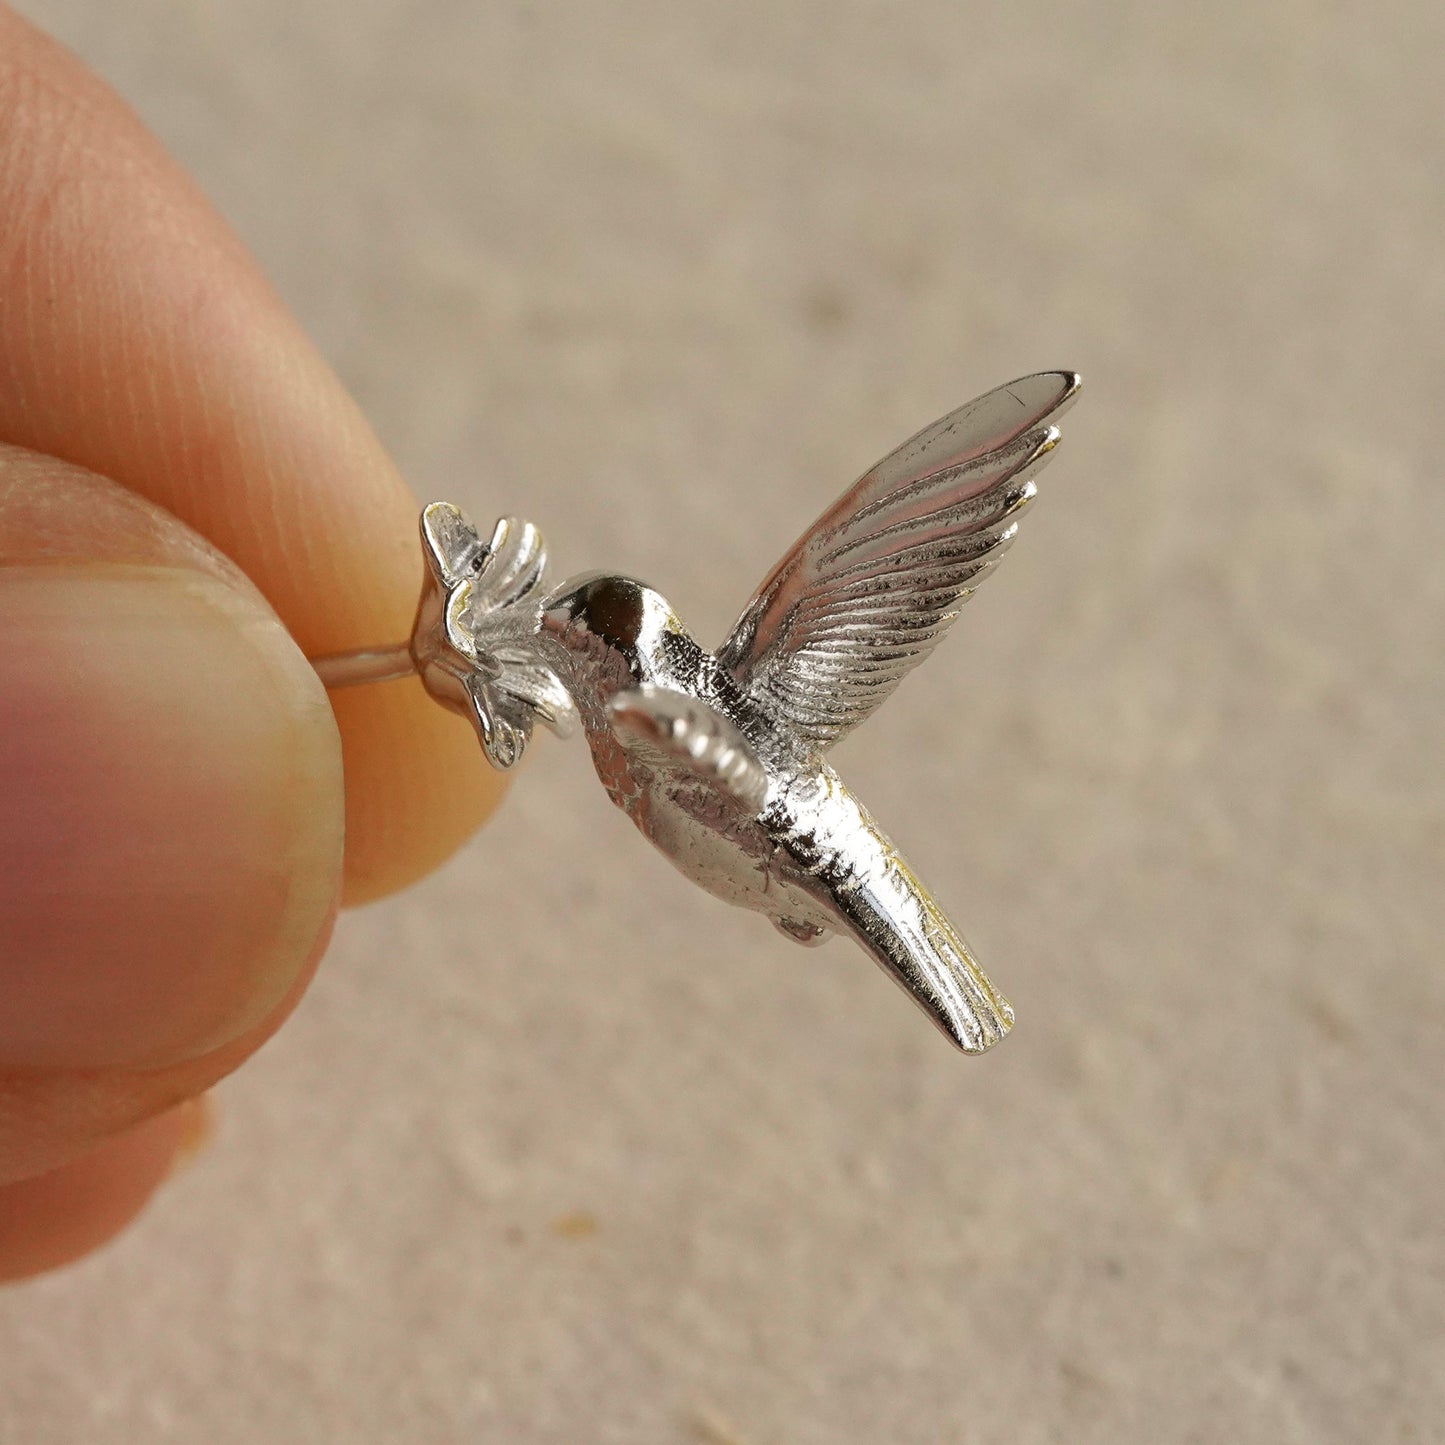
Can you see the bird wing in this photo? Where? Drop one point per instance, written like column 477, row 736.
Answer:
column 866, row 592
column 676, row 731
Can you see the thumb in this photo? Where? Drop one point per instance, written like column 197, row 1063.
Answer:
column 170, row 805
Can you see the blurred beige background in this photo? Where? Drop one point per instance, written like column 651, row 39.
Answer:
column 559, row 1149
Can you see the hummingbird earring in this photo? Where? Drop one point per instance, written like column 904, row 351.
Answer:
column 720, row 758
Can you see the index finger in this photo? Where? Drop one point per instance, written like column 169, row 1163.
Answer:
column 139, row 340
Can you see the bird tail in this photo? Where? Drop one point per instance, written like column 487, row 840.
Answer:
column 898, row 922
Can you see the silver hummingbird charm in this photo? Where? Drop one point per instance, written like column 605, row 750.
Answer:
column 720, row 758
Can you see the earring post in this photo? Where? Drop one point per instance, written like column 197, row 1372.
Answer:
column 373, row 664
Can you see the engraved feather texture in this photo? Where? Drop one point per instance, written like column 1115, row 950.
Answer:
column 867, row 591
column 683, row 732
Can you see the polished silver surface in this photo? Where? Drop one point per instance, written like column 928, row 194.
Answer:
column 719, row 758
column 351, row 669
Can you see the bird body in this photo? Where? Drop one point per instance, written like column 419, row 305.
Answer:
column 806, row 853
column 719, row 758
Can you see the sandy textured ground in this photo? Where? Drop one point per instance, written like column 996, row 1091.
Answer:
column 560, row 1150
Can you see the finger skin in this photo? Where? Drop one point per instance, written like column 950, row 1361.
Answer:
column 55, row 1218
column 171, row 852
column 170, row 770
column 49, row 1118
column 69, row 1138
column 138, row 340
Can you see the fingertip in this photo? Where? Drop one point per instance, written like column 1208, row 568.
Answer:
column 56, row 1218
column 172, row 772
column 417, row 786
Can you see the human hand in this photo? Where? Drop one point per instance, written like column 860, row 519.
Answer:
column 190, row 505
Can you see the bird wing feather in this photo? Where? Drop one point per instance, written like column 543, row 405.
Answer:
column 679, row 732
column 863, row 596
